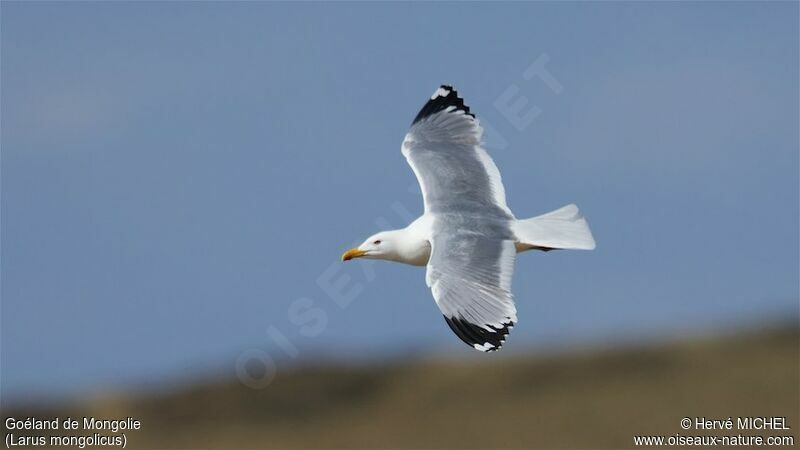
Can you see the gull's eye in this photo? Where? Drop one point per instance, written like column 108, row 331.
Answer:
column 377, row 242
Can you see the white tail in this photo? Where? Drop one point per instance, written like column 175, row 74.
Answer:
column 564, row 228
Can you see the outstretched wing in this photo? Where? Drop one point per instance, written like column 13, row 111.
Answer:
column 472, row 248
column 444, row 150
column 470, row 277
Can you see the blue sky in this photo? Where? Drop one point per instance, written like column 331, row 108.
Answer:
column 179, row 180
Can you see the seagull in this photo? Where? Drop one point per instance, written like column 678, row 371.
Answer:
column 467, row 236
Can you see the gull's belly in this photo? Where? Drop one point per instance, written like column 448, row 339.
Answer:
column 422, row 254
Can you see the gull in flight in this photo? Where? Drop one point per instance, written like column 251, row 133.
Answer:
column 467, row 235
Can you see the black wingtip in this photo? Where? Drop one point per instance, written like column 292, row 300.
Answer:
column 478, row 337
column 444, row 97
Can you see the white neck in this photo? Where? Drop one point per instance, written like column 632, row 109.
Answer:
column 411, row 244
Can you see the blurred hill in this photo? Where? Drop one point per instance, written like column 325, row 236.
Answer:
column 590, row 399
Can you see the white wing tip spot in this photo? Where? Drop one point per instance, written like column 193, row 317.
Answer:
column 441, row 92
column 483, row 347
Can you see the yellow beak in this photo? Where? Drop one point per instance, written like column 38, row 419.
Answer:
column 352, row 253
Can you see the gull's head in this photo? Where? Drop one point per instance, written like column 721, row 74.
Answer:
column 378, row 246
